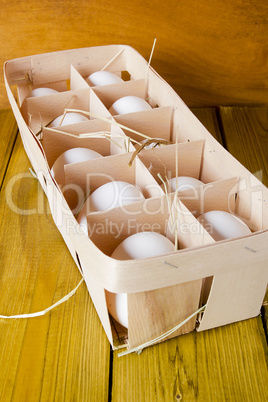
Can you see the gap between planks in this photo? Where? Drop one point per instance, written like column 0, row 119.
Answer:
column 8, row 136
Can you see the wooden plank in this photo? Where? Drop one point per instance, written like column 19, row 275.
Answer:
column 223, row 364
column 210, row 55
column 245, row 131
column 63, row 355
column 226, row 363
column 8, row 132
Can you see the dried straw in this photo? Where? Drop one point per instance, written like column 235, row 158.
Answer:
column 109, row 62
column 147, row 142
column 176, row 192
column 139, row 349
column 40, row 313
column 108, row 120
column 170, row 212
column 150, row 59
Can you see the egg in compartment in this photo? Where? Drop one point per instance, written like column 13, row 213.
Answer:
column 100, row 78
column 223, row 225
column 73, row 155
column 182, row 182
column 42, row 91
column 110, row 195
column 129, row 104
column 69, row 118
column 137, row 246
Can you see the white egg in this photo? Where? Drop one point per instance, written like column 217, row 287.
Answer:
column 143, row 245
column 117, row 307
column 73, row 155
column 70, row 118
column 184, row 183
column 110, row 195
column 100, row 78
column 42, row 92
column 223, row 225
column 129, row 104
column 139, row 245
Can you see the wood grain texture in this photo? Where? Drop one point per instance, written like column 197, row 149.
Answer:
column 246, row 136
column 211, row 52
column 8, row 132
column 63, row 355
column 223, row 364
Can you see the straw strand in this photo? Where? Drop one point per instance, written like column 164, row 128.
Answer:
column 138, row 349
column 108, row 120
column 40, row 313
column 109, row 62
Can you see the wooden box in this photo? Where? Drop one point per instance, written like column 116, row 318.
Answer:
column 229, row 276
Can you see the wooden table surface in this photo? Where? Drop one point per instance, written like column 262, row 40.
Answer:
column 65, row 355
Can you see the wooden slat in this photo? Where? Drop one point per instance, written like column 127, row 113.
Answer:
column 63, row 355
column 246, row 136
column 226, row 363
column 8, row 132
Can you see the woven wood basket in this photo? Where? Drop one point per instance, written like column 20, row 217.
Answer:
column 230, row 276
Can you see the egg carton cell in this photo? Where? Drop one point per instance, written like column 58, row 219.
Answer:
column 161, row 161
column 42, row 111
column 92, row 174
column 154, row 123
column 28, row 90
column 90, row 134
column 44, row 88
column 125, row 97
column 106, row 70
